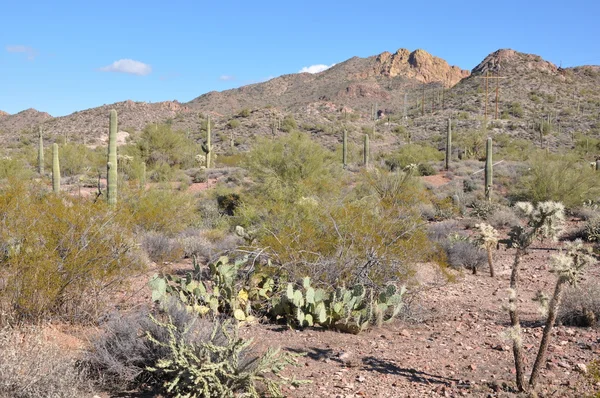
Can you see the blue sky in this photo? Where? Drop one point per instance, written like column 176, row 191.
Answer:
column 63, row 56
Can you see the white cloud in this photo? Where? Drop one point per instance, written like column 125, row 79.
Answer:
column 315, row 68
column 30, row 52
column 128, row 66
column 226, row 78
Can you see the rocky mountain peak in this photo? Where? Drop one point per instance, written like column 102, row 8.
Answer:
column 513, row 61
column 419, row 65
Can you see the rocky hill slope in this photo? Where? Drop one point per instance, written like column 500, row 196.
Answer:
column 414, row 90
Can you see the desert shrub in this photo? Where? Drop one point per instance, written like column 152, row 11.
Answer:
column 439, row 231
column 469, row 185
column 288, row 124
column 64, row 253
column 233, row 124
column 197, row 175
column 193, row 243
column 413, row 153
column 425, row 169
column 161, row 248
column 12, row 167
column 162, row 210
column 482, row 209
column 515, row 109
column 463, row 253
column 503, row 218
column 33, row 367
column 372, row 236
column 245, row 112
column 76, row 158
column 159, row 144
column 581, row 305
column 585, row 212
column 182, row 354
column 210, row 215
column 290, row 167
column 561, row 178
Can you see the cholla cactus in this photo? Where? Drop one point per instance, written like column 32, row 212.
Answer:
column 545, row 220
column 488, row 239
column 201, row 159
column 568, row 266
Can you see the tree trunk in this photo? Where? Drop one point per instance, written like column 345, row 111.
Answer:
column 514, row 321
column 552, row 313
column 490, row 262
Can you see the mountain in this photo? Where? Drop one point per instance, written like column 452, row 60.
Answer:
column 355, row 83
column 2, row 113
column 23, row 120
column 420, row 86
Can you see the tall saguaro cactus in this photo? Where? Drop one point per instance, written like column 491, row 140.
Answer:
column 448, row 144
column 111, row 165
column 55, row 169
column 345, row 149
column 488, row 169
column 366, row 151
column 207, row 147
column 41, row 154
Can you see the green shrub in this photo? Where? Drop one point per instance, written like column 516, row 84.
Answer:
column 61, row 255
column 233, row 124
column 413, row 154
column 162, row 210
column 561, row 178
column 375, row 233
column 290, row 167
column 425, row 169
column 289, row 124
column 159, row 144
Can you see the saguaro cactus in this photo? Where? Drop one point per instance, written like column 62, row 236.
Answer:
column 448, row 144
column 111, row 165
column 55, row 169
column 488, row 169
column 345, row 149
column 41, row 154
column 208, row 147
column 366, row 151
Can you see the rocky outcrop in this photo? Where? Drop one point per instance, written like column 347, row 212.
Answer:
column 514, row 61
column 419, row 65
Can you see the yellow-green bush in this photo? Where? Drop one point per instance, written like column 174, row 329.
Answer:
column 60, row 255
column 162, row 210
column 560, row 178
column 373, row 234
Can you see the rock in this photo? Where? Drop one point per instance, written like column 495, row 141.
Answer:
column 581, row 368
column 564, row 365
column 404, row 333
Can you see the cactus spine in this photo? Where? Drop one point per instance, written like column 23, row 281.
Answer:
column 55, row 169
column 448, row 144
column 41, row 154
column 488, row 169
column 111, row 165
column 366, row 151
column 208, row 143
column 345, row 149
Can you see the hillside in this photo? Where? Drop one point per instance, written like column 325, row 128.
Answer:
column 533, row 94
